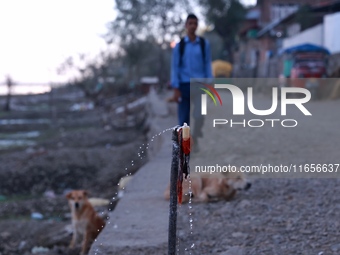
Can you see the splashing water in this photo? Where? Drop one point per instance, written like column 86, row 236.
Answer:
column 190, row 216
column 141, row 151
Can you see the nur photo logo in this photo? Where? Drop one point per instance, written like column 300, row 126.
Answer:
column 211, row 91
column 239, row 101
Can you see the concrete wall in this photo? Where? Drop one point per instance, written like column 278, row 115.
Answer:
column 326, row 35
column 331, row 33
column 313, row 35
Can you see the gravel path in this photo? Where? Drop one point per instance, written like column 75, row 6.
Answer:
column 276, row 216
column 295, row 215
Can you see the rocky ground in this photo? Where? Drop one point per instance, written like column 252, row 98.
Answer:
column 276, row 216
column 280, row 214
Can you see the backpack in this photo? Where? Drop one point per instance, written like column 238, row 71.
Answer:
column 182, row 47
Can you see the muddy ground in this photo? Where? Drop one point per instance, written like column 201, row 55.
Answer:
column 81, row 151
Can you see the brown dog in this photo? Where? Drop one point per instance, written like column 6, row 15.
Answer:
column 85, row 221
column 209, row 188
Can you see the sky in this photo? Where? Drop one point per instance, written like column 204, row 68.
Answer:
column 248, row 2
column 36, row 36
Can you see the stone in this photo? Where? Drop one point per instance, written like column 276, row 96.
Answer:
column 233, row 250
column 244, row 204
column 335, row 247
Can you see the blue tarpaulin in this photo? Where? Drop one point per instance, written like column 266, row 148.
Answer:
column 306, row 48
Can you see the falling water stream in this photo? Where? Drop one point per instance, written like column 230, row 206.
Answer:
column 140, row 154
column 188, row 250
column 191, row 220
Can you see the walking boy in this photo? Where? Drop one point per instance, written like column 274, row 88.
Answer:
column 191, row 59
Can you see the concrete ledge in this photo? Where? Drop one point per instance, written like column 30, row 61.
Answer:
column 139, row 223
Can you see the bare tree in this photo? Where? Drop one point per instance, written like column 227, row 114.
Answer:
column 9, row 84
column 227, row 17
column 138, row 20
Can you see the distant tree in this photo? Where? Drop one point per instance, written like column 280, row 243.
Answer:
column 218, row 45
column 88, row 73
column 304, row 17
column 226, row 16
column 138, row 20
column 141, row 19
column 135, row 51
column 143, row 31
column 9, row 84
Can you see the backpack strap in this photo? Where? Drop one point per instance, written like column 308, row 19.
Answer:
column 182, row 47
column 202, row 44
column 181, row 50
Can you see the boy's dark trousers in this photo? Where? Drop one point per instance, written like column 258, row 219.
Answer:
column 184, row 106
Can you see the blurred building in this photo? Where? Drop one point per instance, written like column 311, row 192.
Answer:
column 272, row 10
column 277, row 24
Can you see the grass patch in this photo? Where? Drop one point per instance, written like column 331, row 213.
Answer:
column 16, row 217
column 18, row 198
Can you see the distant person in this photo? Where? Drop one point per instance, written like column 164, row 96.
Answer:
column 191, row 59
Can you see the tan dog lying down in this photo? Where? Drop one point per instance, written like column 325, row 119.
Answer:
column 213, row 187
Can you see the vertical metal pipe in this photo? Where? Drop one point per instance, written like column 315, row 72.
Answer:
column 172, row 239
